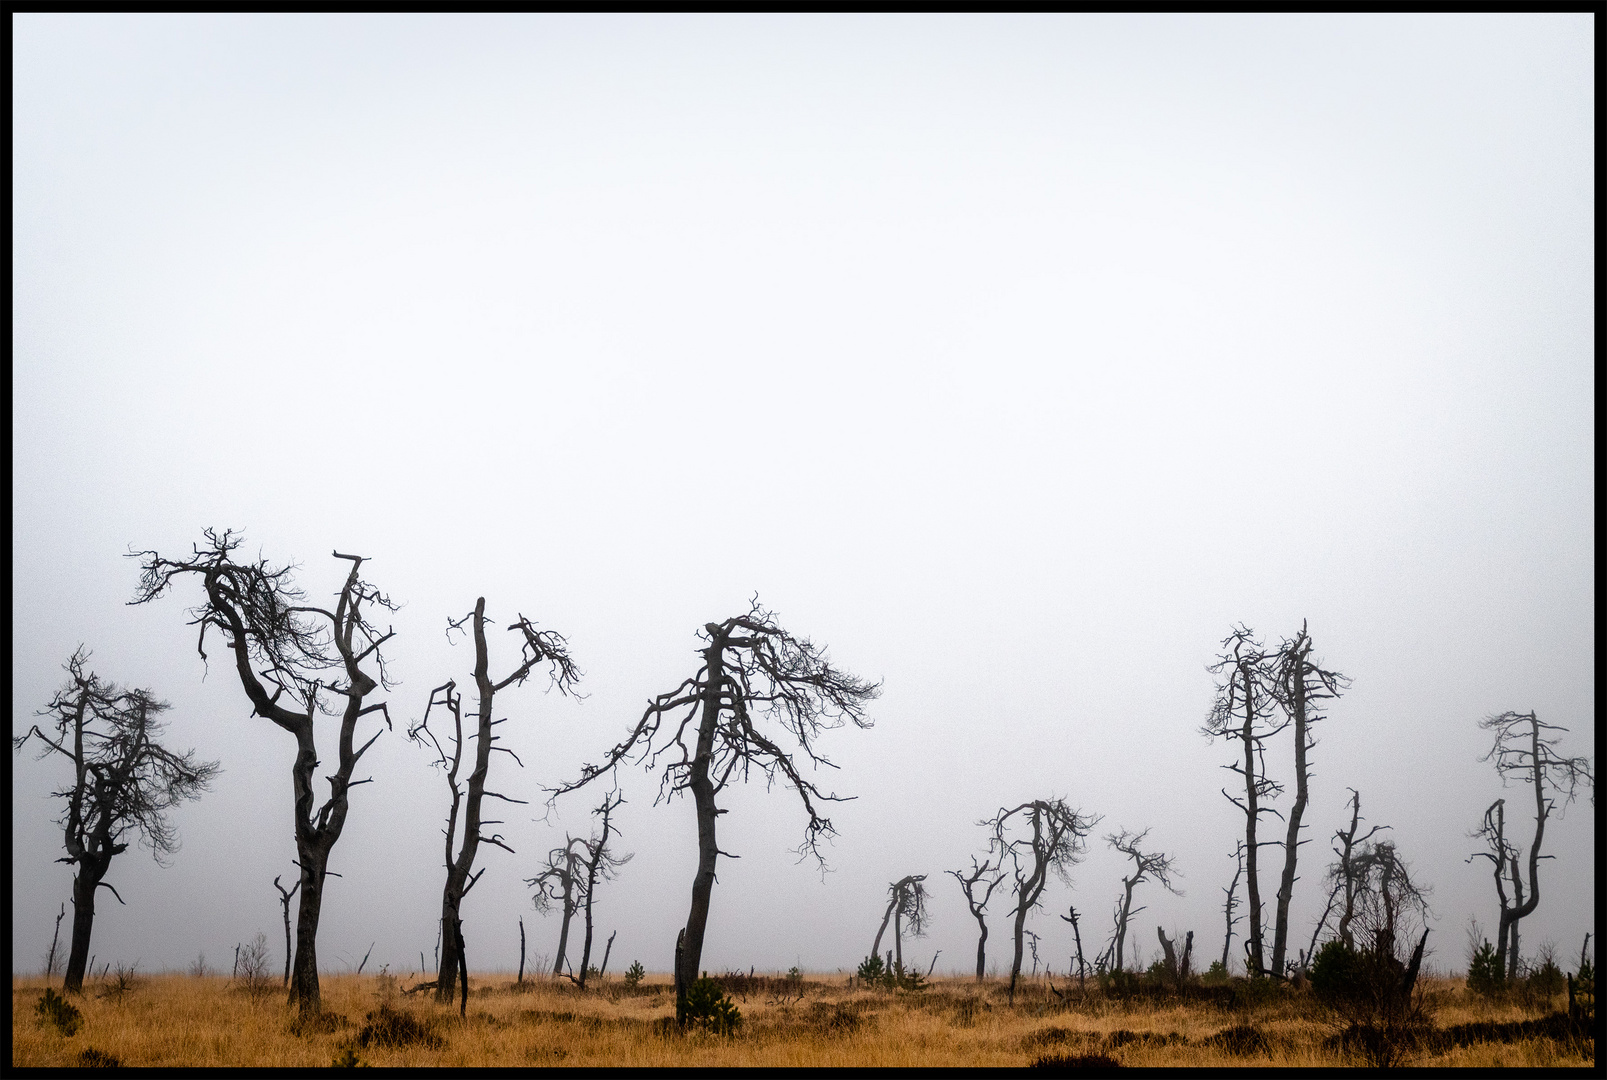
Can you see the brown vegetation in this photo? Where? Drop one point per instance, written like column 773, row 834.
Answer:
column 180, row 1020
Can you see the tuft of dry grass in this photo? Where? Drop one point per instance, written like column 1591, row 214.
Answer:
column 179, row 1020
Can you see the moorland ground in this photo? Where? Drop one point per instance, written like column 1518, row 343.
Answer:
column 208, row 1021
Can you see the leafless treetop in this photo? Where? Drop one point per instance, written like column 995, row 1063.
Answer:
column 763, row 672
column 124, row 780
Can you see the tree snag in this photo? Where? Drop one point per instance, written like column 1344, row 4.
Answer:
column 124, row 782
column 265, row 621
column 906, row 899
column 751, row 668
column 1243, row 710
column 1058, row 840
column 600, row 865
column 284, row 902
column 1521, row 751
column 1146, row 865
column 559, row 883
column 536, row 647
column 1298, row 684
column 969, row 883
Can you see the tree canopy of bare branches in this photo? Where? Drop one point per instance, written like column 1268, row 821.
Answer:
column 710, row 730
column 1146, row 866
column 124, row 782
column 536, row 648
column 1037, row 838
column 600, row 865
column 560, row 884
column 313, row 659
column 1521, row 752
column 985, row 876
column 906, row 901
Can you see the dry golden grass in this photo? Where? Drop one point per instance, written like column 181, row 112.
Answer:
column 181, row 1020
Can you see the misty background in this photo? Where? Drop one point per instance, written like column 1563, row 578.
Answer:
column 1015, row 359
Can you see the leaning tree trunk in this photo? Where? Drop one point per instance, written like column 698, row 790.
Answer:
column 708, row 850
column 563, row 927
column 85, row 883
column 876, row 946
column 1121, row 921
column 898, row 939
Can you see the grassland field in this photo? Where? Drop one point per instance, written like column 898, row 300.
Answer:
column 170, row 1020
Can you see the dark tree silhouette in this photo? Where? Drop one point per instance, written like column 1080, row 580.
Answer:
column 752, row 669
column 1037, row 837
column 1298, row 685
column 313, row 659
column 124, row 782
column 536, row 647
column 560, row 884
column 980, row 875
column 906, row 899
column 1348, row 876
column 1232, row 901
column 284, row 903
column 599, row 865
column 1244, row 710
column 1146, row 865
column 1520, row 751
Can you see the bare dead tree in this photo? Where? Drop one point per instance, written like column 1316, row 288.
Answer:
column 752, row 669
column 1146, row 865
column 313, row 658
column 124, row 782
column 284, row 902
column 1038, row 838
column 536, row 648
column 1232, row 901
column 600, row 865
column 1520, row 751
column 1076, row 933
column 906, row 899
column 984, row 873
column 1299, row 684
column 1347, row 875
column 1244, row 709
column 1177, row 969
column 560, row 884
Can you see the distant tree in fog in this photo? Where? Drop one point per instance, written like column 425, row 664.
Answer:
column 752, row 670
column 294, row 660
column 536, row 647
column 1521, row 752
column 124, row 782
column 1036, row 839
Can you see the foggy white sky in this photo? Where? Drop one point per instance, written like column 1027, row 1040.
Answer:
column 1015, row 359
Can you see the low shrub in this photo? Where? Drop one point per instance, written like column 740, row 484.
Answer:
column 348, row 1059
column 60, row 1013
column 1243, row 1040
column 634, row 974
column 95, row 1059
column 709, row 1007
column 1215, row 975
column 386, row 1026
column 1484, row 971
column 1075, row 1062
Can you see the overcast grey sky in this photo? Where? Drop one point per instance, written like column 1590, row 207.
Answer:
column 1013, row 358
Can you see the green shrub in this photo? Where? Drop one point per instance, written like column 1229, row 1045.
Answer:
column 709, row 1007
column 634, row 973
column 348, row 1059
column 1547, row 980
column 1215, row 975
column 794, row 975
column 1484, row 971
column 57, row 1010
column 1336, row 973
column 871, row 970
